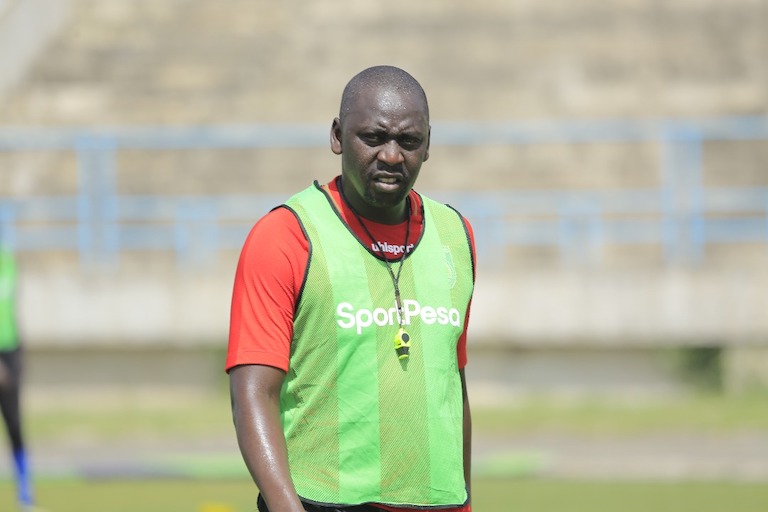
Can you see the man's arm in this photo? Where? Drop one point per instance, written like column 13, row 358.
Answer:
column 467, row 435
column 255, row 394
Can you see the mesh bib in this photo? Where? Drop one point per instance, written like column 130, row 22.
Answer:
column 362, row 425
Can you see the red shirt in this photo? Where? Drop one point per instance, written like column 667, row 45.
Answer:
column 270, row 273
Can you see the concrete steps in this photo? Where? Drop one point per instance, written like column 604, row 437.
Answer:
column 257, row 61
column 181, row 62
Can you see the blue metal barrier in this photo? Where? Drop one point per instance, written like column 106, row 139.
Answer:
column 682, row 216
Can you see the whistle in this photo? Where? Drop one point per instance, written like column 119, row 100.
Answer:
column 402, row 344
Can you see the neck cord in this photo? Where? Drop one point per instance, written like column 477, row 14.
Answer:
column 395, row 277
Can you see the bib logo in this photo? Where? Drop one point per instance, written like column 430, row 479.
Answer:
column 387, row 248
column 358, row 319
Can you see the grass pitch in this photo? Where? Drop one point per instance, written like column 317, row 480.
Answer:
column 490, row 496
column 203, row 488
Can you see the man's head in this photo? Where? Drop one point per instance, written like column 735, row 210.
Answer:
column 382, row 134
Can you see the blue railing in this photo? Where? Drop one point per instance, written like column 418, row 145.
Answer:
column 682, row 216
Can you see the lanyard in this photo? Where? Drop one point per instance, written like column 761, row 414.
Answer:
column 402, row 338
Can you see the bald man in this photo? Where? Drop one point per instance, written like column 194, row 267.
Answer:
column 349, row 316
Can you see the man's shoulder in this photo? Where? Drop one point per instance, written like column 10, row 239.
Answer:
column 440, row 207
column 278, row 216
column 279, row 224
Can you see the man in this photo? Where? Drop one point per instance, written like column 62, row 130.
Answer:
column 347, row 339
column 10, row 376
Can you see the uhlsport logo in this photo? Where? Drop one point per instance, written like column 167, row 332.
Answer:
column 393, row 249
column 349, row 317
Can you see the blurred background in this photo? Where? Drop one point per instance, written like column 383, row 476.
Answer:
column 610, row 154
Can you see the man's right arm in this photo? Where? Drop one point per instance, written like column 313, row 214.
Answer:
column 255, row 394
column 267, row 285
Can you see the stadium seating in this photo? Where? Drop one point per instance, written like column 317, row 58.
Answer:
column 581, row 138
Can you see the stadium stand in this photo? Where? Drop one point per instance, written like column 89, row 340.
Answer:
column 582, row 138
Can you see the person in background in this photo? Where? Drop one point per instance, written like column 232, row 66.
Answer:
column 349, row 317
column 10, row 375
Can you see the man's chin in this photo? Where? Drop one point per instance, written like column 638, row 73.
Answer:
column 384, row 201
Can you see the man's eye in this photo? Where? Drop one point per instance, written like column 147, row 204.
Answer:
column 410, row 142
column 371, row 139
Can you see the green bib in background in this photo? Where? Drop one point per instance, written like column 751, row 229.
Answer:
column 8, row 335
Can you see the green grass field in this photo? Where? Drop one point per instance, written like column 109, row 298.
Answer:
column 490, row 496
column 205, row 416
column 220, row 485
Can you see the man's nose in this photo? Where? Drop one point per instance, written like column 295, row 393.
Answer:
column 390, row 153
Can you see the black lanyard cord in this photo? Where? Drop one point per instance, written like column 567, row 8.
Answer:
column 395, row 277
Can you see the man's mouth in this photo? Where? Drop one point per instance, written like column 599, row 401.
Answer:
column 387, row 177
column 387, row 183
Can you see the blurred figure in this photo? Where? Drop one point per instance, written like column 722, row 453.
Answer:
column 10, row 375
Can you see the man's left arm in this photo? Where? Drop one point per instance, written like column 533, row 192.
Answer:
column 467, row 429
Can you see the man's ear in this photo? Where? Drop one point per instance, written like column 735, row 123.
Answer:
column 426, row 153
column 336, row 136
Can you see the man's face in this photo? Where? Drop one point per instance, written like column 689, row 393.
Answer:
column 383, row 141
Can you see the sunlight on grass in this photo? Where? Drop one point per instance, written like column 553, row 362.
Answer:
column 704, row 414
column 205, row 416
column 105, row 420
